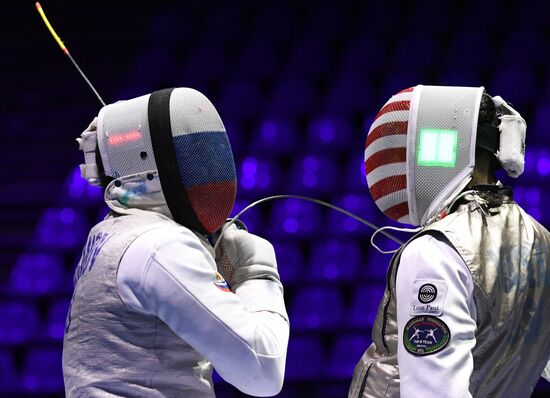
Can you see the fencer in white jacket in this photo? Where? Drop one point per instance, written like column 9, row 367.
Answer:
column 154, row 309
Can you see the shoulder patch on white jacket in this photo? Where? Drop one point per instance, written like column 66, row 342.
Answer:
column 428, row 297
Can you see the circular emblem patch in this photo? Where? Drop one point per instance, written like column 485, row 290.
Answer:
column 220, row 283
column 425, row 335
column 427, row 293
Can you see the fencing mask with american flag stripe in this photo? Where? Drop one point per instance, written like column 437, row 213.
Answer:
column 420, row 151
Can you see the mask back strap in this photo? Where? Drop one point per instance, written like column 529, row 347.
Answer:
column 488, row 137
column 165, row 157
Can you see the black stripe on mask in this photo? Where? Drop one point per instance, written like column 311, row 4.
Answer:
column 165, row 157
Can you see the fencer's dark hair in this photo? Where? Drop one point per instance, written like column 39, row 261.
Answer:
column 103, row 179
column 487, row 116
column 487, row 111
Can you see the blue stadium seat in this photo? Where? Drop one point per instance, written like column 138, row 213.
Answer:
column 506, row 80
column 100, row 214
column 419, row 51
column 267, row 26
column 252, row 217
column 537, row 163
column 240, row 100
column 522, row 48
column 258, row 175
column 460, row 77
column 364, row 304
column 348, row 94
column 472, row 14
column 376, row 263
column 305, row 359
column 431, row 10
column 56, row 317
column 397, row 80
column 316, row 308
column 477, row 43
column 290, row 261
column 150, row 68
column 539, row 123
column 542, row 163
column 81, row 191
column 237, row 136
column 36, row 274
column 382, row 18
column 207, row 65
column 332, row 134
column 19, row 322
column 310, row 58
column 365, row 56
column 334, row 260
column 62, row 228
column 294, row 217
column 530, row 166
column 530, row 199
column 361, row 205
column 222, row 25
column 258, row 60
column 328, row 21
column 42, row 370
column 344, row 355
column 312, row 174
column 292, row 97
column 274, row 136
column 355, row 175
column 368, row 120
column 8, row 374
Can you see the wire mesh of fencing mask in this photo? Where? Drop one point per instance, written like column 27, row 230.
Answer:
column 420, row 150
column 179, row 134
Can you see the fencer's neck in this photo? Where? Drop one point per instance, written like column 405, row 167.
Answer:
column 483, row 171
column 482, row 177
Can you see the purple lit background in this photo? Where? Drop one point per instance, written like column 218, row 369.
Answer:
column 297, row 85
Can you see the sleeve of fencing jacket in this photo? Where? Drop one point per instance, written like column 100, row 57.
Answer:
column 436, row 319
column 546, row 372
column 168, row 273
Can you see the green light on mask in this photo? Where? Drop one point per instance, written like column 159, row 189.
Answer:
column 437, row 147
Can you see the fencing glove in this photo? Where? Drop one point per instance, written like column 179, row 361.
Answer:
column 242, row 256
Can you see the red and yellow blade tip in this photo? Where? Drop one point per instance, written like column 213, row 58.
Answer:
column 50, row 28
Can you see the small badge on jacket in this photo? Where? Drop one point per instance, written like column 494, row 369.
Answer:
column 428, row 297
column 220, row 283
column 425, row 335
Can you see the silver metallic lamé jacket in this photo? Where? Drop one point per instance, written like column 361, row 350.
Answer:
column 110, row 350
column 507, row 253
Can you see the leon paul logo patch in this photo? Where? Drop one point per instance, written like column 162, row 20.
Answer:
column 428, row 297
column 427, row 293
column 425, row 335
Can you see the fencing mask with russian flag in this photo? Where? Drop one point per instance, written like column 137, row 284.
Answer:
column 173, row 139
column 420, row 150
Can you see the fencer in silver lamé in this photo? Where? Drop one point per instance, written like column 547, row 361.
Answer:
column 507, row 253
